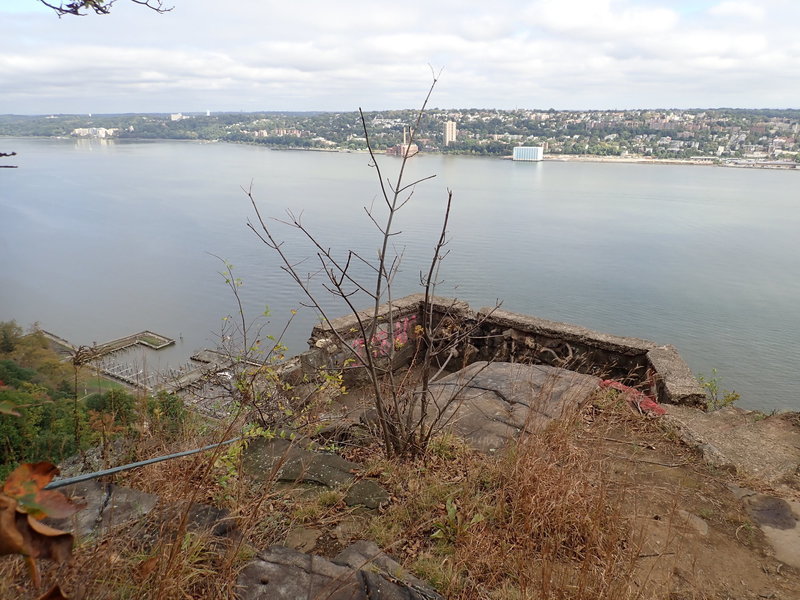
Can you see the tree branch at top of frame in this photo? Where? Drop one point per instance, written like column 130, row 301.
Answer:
column 81, row 8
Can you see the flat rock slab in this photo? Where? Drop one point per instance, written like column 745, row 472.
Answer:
column 763, row 447
column 361, row 572
column 490, row 403
column 778, row 518
column 289, row 462
column 758, row 447
column 107, row 505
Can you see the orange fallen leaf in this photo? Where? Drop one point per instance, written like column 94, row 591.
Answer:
column 26, row 485
column 21, row 501
column 147, row 566
column 54, row 593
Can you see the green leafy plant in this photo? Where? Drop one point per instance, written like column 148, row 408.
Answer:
column 716, row 396
column 454, row 524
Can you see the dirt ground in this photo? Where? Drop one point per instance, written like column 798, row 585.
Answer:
column 697, row 539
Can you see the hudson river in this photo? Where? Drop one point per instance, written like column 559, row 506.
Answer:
column 100, row 240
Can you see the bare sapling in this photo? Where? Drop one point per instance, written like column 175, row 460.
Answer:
column 407, row 413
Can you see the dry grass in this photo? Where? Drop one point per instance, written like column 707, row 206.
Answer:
column 541, row 520
column 538, row 521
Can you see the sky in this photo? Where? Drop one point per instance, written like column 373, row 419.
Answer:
column 301, row 55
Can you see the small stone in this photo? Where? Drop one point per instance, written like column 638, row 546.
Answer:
column 697, row 523
column 348, row 529
column 366, row 492
column 328, row 345
column 303, row 539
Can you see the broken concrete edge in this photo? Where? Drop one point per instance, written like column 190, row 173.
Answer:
column 347, row 325
column 669, row 375
column 674, row 381
column 711, row 454
column 566, row 331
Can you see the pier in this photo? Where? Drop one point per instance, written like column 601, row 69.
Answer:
column 105, row 357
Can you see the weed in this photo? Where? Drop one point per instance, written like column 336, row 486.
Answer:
column 455, row 524
column 706, row 513
column 716, row 397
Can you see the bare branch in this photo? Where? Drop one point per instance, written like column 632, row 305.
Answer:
column 80, row 8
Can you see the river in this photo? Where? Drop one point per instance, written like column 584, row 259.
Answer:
column 102, row 239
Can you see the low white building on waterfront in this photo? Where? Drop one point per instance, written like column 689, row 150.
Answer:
column 529, row 153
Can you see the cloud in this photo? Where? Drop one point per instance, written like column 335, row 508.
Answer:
column 738, row 8
column 271, row 55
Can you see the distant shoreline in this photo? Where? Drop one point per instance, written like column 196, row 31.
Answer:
column 741, row 163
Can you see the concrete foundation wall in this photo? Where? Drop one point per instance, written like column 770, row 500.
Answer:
column 500, row 335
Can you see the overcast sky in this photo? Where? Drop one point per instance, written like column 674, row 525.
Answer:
column 338, row 55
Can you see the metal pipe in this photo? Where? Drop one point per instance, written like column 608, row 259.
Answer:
column 87, row 476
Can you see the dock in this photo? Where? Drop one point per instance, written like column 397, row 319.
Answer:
column 104, row 362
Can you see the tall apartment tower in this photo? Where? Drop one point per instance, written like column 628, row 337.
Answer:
column 450, row 132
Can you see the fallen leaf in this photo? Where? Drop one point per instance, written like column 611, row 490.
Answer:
column 26, row 485
column 55, row 593
column 21, row 533
column 148, row 566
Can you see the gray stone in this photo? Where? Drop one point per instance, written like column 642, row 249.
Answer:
column 279, row 573
column 368, row 493
column 349, row 528
column 366, row 555
column 769, row 511
column 778, row 518
column 697, row 523
column 202, row 518
column 292, row 463
column 107, row 505
column 489, row 403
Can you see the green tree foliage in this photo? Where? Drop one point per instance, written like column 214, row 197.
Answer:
column 41, row 428
column 116, row 403
column 10, row 333
column 37, row 397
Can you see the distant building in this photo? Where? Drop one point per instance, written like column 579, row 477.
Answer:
column 450, row 132
column 529, row 153
column 94, row 132
column 406, row 149
column 176, row 117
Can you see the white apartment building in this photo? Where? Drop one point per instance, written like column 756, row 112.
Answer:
column 529, row 153
column 450, row 132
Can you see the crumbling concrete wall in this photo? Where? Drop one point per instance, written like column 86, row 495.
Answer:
column 493, row 334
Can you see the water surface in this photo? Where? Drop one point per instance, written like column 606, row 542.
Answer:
column 99, row 240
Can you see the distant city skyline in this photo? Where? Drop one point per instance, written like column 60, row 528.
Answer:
column 321, row 56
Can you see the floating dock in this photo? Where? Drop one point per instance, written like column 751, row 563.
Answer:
column 107, row 366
